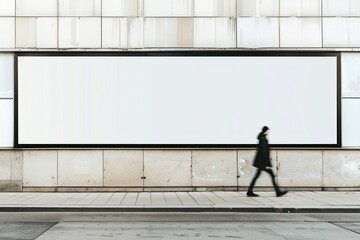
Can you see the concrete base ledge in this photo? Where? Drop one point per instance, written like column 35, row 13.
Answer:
column 140, row 209
column 142, row 170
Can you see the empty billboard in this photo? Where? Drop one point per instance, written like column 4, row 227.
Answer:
column 82, row 100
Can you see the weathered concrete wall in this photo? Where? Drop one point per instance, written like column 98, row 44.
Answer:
column 154, row 170
column 300, row 168
column 11, row 170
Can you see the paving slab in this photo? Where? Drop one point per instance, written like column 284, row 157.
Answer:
column 352, row 226
column 198, row 230
column 23, row 230
column 301, row 202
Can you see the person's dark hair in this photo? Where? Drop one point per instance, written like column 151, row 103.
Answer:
column 264, row 129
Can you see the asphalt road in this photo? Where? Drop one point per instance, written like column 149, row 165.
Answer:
column 269, row 226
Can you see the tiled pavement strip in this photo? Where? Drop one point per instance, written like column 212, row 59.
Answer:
column 180, row 202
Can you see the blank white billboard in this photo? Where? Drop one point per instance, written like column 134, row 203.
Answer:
column 195, row 100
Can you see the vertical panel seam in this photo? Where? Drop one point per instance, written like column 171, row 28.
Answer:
column 191, row 169
column 15, row 26
column 57, row 168
column 277, row 166
column 193, row 8
column 193, row 22
column 103, row 167
column 143, row 170
column 11, row 165
column 322, row 168
column 142, row 15
column 22, row 168
column 236, row 25
column 101, row 24
column 237, row 170
column 58, row 24
column 322, row 23
column 279, row 28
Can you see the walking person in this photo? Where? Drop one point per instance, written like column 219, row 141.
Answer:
column 262, row 163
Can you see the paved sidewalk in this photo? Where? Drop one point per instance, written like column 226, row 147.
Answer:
column 305, row 202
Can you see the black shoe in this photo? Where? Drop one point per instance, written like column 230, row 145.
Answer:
column 279, row 194
column 251, row 194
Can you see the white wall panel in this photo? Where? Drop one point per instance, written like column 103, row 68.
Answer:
column 215, row 32
column 80, row 168
column 121, row 8
column 354, row 32
column 123, row 168
column 80, row 32
column 26, row 32
column 300, row 8
column 257, row 32
column 341, row 168
column 214, row 168
column 341, row 7
column 168, row 32
column 7, row 7
column 350, row 122
column 36, row 32
column 335, row 32
column 167, row 168
column 6, row 122
column 46, row 32
column 300, row 32
column 215, row 8
column 161, row 8
column 11, row 162
column 80, row 7
column 36, row 7
column 341, row 32
column 122, row 33
column 350, row 72
column 300, row 168
column 40, row 168
column 6, row 76
column 258, row 8
column 7, row 32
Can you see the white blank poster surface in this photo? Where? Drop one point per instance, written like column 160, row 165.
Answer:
column 176, row 100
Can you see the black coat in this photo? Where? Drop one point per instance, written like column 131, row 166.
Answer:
column 262, row 158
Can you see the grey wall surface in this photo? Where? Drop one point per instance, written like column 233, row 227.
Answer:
column 188, row 169
column 118, row 25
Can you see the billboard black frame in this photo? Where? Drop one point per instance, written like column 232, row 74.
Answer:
column 177, row 53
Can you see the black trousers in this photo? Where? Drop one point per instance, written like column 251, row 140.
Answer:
column 257, row 175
